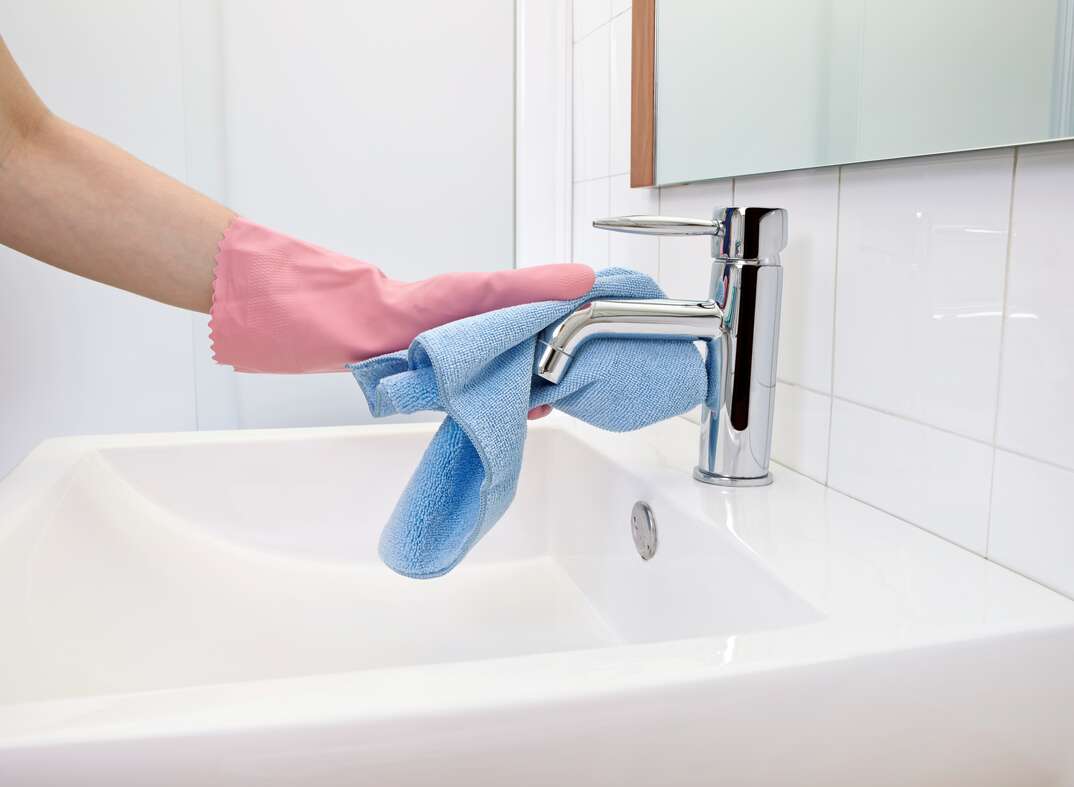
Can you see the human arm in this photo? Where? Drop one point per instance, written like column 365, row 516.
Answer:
column 279, row 304
column 78, row 202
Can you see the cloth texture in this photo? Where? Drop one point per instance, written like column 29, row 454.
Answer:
column 479, row 371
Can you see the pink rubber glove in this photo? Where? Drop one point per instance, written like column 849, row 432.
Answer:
column 284, row 305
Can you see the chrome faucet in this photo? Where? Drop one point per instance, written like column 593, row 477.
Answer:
column 739, row 323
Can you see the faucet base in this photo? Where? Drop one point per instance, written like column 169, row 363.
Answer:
column 722, row 480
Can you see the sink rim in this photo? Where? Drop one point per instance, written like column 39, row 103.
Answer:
column 661, row 454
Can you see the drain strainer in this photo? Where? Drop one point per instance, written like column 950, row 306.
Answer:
column 643, row 528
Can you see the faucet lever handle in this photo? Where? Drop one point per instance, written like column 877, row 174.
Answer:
column 747, row 234
column 660, row 225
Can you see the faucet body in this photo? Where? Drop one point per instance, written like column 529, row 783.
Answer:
column 738, row 321
column 736, row 421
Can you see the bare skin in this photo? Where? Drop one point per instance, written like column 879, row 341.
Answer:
column 75, row 201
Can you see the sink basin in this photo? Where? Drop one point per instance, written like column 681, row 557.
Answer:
column 210, row 609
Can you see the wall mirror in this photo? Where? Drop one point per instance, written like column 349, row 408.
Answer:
column 725, row 88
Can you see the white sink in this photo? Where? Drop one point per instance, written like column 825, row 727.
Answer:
column 209, row 609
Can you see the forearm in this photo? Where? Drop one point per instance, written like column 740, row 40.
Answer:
column 79, row 203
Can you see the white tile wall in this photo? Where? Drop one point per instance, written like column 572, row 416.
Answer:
column 619, row 101
column 1037, row 390
column 925, row 367
column 1032, row 524
column 935, row 479
column 590, row 201
column 591, row 105
column 640, row 252
column 685, row 267
column 589, row 15
column 922, row 250
column 800, row 433
column 805, row 337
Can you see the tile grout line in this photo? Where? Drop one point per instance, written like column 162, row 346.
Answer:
column 608, row 164
column 910, row 420
column 1030, row 458
column 904, row 520
column 835, row 317
column 1002, row 342
column 607, row 235
column 809, row 388
column 924, row 529
column 577, row 41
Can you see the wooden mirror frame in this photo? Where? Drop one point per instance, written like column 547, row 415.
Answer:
column 643, row 95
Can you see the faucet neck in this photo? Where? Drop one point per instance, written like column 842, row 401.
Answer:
column 736, row 424
column 739, row 322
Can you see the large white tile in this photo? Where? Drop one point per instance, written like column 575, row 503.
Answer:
column 686, row 263
column 1033, row 520
column 811, row 198
column 1037, row 382
column 589, row 15
column 922, row 250
column 620, row 94
column 590, row 245
column 934, row 479
column 619, row 6
column 800, row 430
column 454, row 66
column 640, row 252
column 592, row 76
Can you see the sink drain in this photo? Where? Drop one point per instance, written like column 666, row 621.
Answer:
column 643, row 528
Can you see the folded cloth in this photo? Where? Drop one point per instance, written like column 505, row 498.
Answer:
column 479, row 371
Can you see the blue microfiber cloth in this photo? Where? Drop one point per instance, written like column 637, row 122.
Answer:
column 479, row 371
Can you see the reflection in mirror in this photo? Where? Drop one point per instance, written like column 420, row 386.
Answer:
column 785, row 84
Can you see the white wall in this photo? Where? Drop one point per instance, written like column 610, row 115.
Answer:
column 385, row 130
column 382, row 129
column 76, row 356
column 925, row 363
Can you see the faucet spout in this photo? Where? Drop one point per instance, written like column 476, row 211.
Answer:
column 689, row 320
